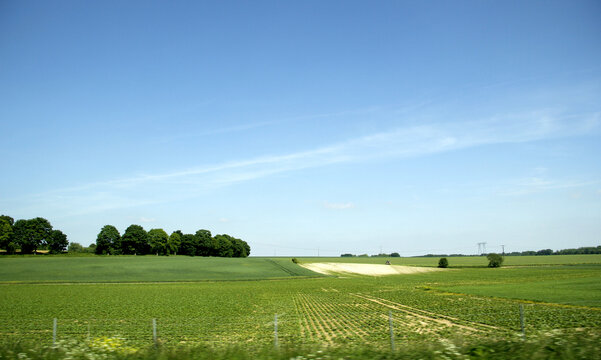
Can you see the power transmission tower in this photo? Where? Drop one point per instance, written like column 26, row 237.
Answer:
column 481, row 248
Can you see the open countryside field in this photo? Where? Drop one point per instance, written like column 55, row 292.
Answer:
column 464, row 261
column 144, row 269
column 213, row 307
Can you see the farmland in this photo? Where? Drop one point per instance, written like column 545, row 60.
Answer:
column 194, row 301
column 143, row 269
column 467, row 261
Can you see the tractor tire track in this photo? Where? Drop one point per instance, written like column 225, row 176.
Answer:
column 426, row 315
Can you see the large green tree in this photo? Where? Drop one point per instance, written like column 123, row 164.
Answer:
column 158, row 241
column 188, row 245
column 224, row 246
column 31, row 234
column 6, row 234
column 240, row 247
column 206, row 245
column 175, row 240
column 57, row 242
column 108, row 241
column 135, row 241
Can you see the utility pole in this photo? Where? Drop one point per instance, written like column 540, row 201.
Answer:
column 503, row 249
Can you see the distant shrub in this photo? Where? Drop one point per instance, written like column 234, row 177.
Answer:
column 347, row 255
column 75, row 247
column 295, row 260
column 494, row 260
column 395, row 254
column 443, row 263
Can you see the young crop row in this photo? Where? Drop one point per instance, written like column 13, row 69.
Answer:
column 313, row 311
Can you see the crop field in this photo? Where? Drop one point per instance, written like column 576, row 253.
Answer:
column 144, row 269
column 208, row 306
column 465, row 261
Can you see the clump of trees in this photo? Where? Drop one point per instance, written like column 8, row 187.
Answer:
column 494, row 260
column 443, row 263
column 77, row 248
column 30, row 235
column 136, row 241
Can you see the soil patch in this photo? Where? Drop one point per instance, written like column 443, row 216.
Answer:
column 365, row 269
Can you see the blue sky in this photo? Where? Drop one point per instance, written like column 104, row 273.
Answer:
column 309, row 126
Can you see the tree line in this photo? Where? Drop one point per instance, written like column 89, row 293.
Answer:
column 577, row 251
column 137, row 241
column 30, row 235
column 574, row 251
column 394, row 254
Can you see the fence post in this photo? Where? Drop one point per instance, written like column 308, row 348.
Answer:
column 275, row 331
column 154, row 331
column 54, row 332
column 391, row 330
column 523, row 328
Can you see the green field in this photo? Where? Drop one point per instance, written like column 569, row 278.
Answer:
column 144, row 269
column 201, row 301
column 465, row 261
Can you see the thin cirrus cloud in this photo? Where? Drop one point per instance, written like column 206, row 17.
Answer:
column 537, row 184
column 402, row 142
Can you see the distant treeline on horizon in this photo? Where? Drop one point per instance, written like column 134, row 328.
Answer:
column 394, row 254
column 578, row 251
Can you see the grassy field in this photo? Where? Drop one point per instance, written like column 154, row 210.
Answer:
column 465, row 261
column 144, row 269
column 115, row 297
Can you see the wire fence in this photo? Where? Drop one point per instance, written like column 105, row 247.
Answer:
column 376, row 327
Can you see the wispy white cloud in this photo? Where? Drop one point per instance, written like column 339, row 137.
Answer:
column 403, row 142
column 261, row 124
column 216, row 131
column 532, row 185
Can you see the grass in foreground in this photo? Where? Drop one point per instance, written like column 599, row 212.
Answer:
column 548, row 346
